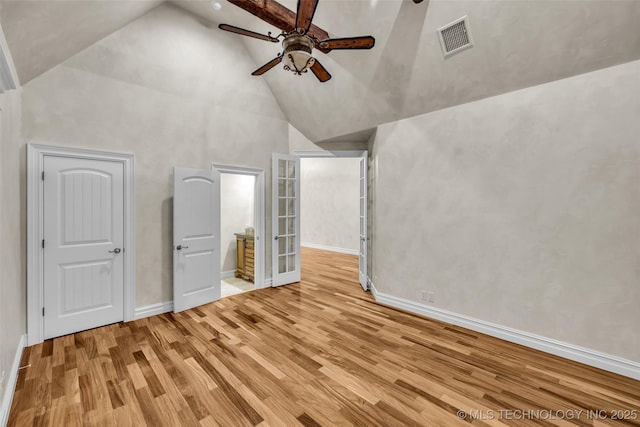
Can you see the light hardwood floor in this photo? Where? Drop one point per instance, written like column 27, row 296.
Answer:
column 321, row 352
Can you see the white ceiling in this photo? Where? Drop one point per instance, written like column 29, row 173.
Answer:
column 518, row 43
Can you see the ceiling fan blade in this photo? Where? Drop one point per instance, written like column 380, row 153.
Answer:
column 321, row 73
column 306, row 10
column 272, row 12
column 266, row 67
column 365, row 42
column 248, row 33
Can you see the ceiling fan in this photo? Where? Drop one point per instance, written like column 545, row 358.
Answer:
column 299, row 36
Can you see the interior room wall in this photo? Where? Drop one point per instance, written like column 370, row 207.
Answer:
column 522, row 210
column 329, row 203
column 173, row 91
column 13, row 322
column 236, row 213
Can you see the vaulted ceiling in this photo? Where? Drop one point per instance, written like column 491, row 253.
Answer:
column 518, row 43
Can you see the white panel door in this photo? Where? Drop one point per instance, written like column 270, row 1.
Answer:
column 363, row 224
column 83, row 244
column 196, row 261
column 285, row 194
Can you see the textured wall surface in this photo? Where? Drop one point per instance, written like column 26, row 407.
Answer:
column 329, row 209
column 522, row 209
column 162, row 89
column 13, row 302
column 236, row 213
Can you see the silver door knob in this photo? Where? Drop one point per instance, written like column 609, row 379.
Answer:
column 115, row 251
column 180, row 247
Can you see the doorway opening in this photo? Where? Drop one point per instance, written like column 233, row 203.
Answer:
column 333, row 209
column 241, row 229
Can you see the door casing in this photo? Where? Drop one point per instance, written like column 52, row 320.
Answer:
column 35, row 216
column 259, row 215
column 364, row 154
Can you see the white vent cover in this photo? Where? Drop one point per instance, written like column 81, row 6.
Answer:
column 455, row 36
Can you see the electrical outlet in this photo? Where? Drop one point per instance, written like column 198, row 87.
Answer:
column 424, row 296
column 431, row 297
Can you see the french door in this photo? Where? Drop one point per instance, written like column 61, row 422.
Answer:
column 286, row 219
column 362, row 252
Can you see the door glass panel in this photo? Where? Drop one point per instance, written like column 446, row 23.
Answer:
column 282, row 189
column 282, row 226
column 282, row 264
column 292, row 226
column 291, row 188
column 291, row 247
column 291, row 207
column 292, row 170
column 282, row 168
column 282, row 207
column 282, row 245
column 291, row 263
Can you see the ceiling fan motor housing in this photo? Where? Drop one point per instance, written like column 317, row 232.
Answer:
column 297, row 53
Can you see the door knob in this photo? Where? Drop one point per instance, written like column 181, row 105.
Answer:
column 115, row 251
column 180, row 247
column 275, row 237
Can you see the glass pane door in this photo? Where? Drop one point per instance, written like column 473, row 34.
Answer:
column 286, row 219
column 363, row 224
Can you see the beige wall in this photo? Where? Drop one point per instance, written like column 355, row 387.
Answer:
column 329, row 202
column 236, row 213
column 521, row 210
column 12, row 233
column 174, row 92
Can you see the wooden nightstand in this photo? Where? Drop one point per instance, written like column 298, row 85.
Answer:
column 245, row 256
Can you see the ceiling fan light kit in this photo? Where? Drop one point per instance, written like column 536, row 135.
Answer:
column 297, row 53
column 298, row 41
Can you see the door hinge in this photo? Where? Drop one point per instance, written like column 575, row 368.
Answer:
column 42, row 243
column 43, row 311
column 43, row 175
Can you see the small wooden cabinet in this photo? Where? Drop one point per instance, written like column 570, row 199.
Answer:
column 244, row 256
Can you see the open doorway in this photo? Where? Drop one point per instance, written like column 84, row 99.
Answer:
column 333, row 209
column 241, row 224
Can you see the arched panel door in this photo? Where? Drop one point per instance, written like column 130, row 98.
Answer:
column 196, row 261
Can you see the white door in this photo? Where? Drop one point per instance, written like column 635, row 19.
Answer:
column 285, row 193
column 196, row 261
column 83, row 244
column 363, row 224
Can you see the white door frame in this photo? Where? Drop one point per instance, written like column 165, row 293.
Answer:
column 35, row 216
column 259, row 215
column 363, row 154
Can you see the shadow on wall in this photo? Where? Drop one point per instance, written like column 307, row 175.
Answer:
column 405, row 37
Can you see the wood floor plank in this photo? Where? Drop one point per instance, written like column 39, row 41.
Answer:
column 318, row 353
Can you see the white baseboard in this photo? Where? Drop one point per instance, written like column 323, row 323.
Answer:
column 330, row 248
column 11, row 382
column 267, row 284
column 227, row 274
column 153, row 309
column 576, row 353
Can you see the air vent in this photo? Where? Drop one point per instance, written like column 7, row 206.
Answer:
column 455, row 36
